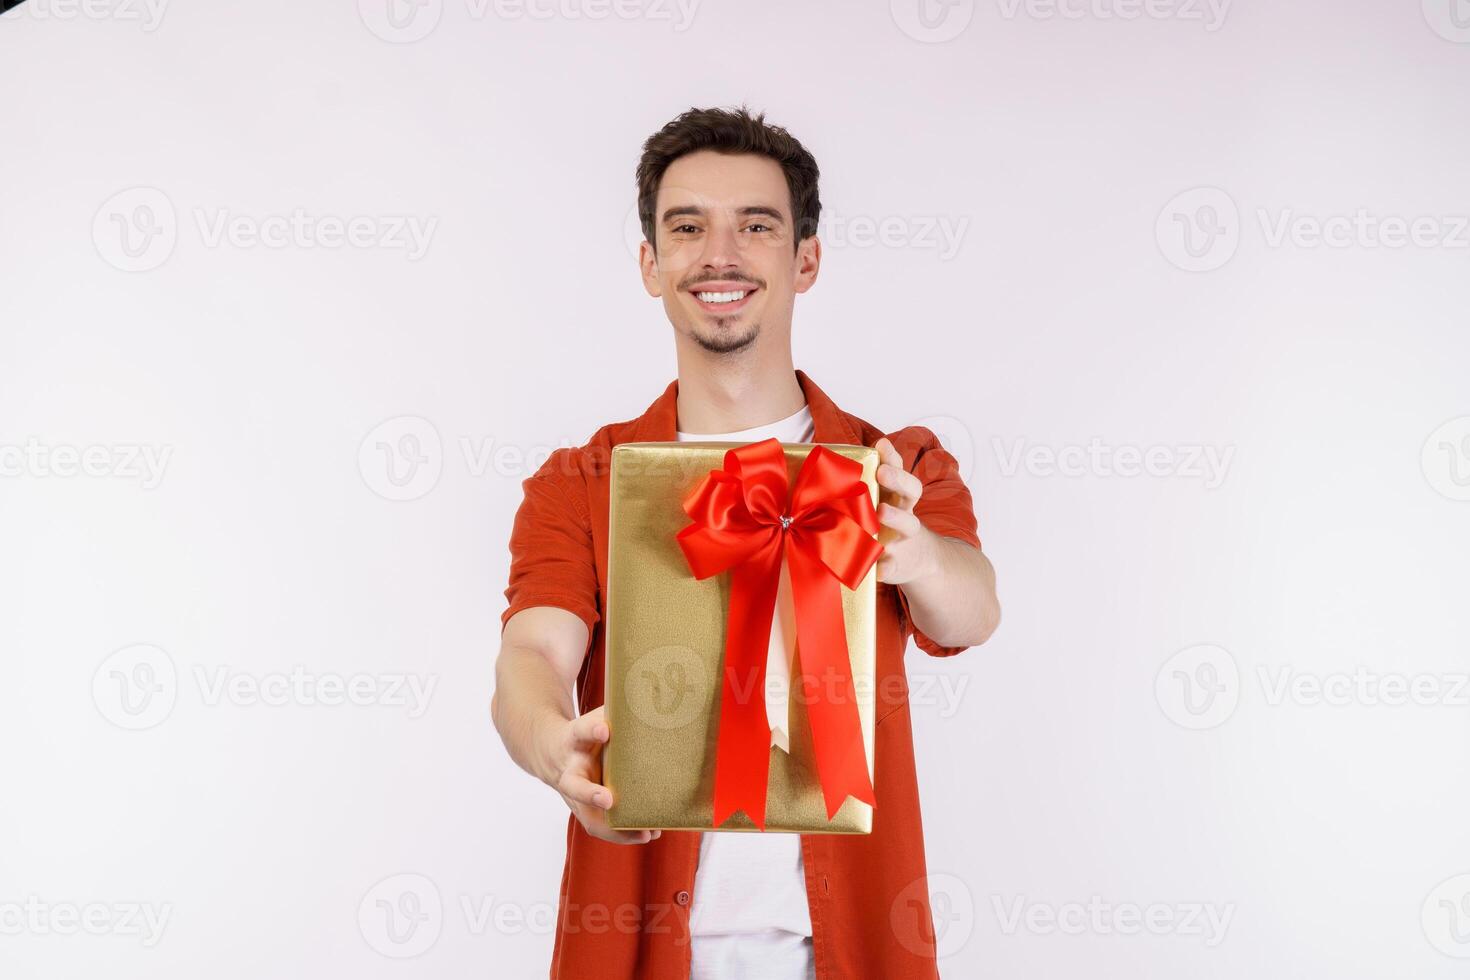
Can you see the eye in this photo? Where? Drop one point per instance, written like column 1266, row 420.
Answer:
column 685, row 229
column 758, row 226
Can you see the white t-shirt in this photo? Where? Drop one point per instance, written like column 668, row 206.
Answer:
column 749, row 917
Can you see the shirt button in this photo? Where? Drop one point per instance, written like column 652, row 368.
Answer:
column 682, row 898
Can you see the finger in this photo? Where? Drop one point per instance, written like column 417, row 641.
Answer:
column 591, row 727
column 595, row 823
column 630, row 836
column 898, row 519
column 887, row 453
column 890, row 569
column 580, row 789
column 603, row 832
column 906, row 487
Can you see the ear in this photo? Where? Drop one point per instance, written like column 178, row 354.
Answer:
column 808, row 261
column 648, row 267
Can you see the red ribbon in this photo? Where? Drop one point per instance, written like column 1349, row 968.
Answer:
column 744, row 523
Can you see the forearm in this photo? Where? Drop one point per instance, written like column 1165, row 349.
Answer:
column 529, row 700
column 954, row 603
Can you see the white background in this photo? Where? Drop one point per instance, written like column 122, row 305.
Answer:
column 1122, row 741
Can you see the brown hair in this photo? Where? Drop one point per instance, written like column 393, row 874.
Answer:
column 730, row 131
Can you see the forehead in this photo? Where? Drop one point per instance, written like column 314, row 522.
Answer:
column 723, row 180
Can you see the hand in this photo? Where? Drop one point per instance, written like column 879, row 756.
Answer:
column 575, row 761
column 908, row 547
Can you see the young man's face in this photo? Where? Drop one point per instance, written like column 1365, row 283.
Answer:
column 727, row 264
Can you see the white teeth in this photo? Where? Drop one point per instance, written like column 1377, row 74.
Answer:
column 722, row 297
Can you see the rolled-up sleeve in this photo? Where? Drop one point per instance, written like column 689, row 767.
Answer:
column 552, row 561
column 944, row 507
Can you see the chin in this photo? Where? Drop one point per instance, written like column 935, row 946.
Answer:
column 726, row 339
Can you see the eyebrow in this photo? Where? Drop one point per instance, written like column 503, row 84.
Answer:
column 745, row 212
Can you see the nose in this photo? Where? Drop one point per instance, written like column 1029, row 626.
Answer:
column 722, row 245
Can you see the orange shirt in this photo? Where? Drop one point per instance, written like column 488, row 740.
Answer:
column 624, row 908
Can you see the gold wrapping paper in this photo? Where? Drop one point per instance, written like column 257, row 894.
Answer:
column 664, row 642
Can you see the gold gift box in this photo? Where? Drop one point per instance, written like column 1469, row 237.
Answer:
column 665, row 636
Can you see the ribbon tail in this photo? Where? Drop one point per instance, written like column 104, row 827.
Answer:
column 743, row 750
column 826, row 683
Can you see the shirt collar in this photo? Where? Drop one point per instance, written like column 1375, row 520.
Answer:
column 660, row 423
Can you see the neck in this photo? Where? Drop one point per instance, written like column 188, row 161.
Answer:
column 722, row 394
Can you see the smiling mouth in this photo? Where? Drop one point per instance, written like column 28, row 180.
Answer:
column 724, row 300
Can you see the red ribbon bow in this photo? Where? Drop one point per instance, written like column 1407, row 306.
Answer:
column 743, row 523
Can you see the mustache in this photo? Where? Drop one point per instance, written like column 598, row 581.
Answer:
column 691, row 283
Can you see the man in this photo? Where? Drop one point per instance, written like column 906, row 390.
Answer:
column 729, row 208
